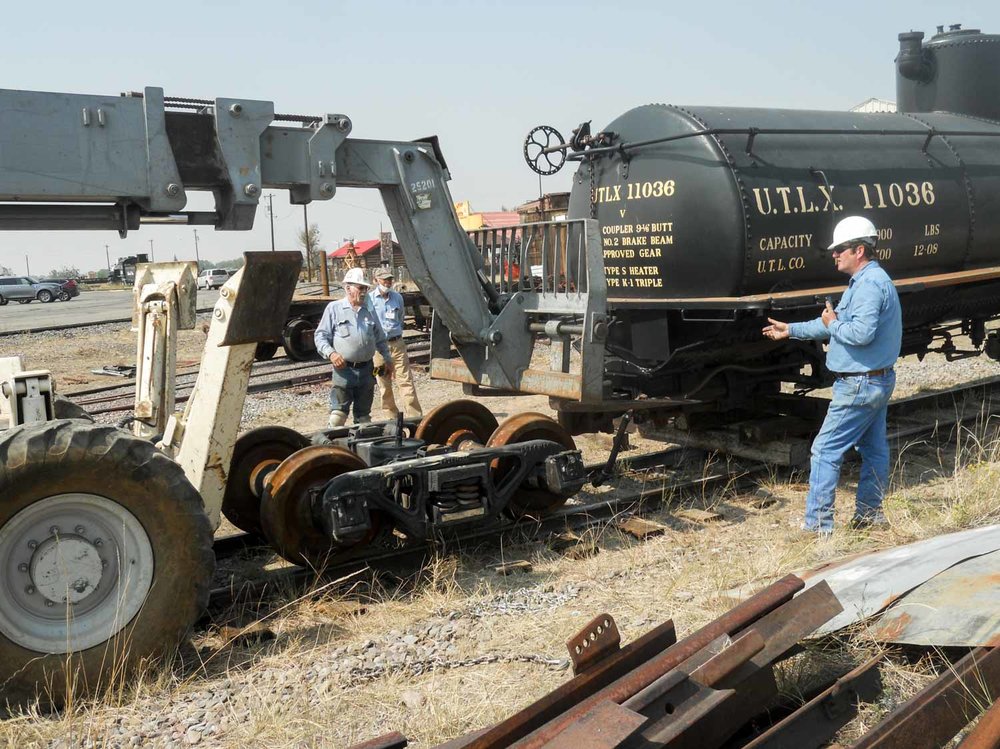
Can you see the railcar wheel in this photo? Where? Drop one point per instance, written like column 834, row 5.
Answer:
column 525, row 427
column 265, row 351
column 297, row 340
column 241, row 501
column 105, row 558
column 437, row 427
column 285, row 511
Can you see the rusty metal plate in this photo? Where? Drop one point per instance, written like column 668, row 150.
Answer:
column 599, row 639
column 867, row 584
column 264, row 291
column 787, row 625
column 604, row 727
column 960, row 606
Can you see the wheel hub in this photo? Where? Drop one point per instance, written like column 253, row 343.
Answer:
column 457, row 416
column 285, row 511
column 66, row 569
column 74, row 570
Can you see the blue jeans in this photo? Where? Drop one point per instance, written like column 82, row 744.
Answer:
column 856, row 418
column 353, row 386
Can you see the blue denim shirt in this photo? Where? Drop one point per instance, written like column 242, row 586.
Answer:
column 868, row 330
column 389, row 309
column 353, row 335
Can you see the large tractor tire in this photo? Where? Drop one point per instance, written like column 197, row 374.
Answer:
column 66, row 409
column 105, row 558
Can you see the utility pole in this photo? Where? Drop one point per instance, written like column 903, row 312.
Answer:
column 197, row 257
column 26, row 266
column 309, row 267
column 108, row 258
column 270, row 213
column 151, row 250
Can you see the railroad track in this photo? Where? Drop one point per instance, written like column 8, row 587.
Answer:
column 120, row 397
column 920, row 415
column 571, row 517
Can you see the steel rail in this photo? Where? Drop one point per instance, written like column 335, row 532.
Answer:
column 128, row 390
column 941, row 709
column 523, row 734
column 415, row 344
column 986, row 734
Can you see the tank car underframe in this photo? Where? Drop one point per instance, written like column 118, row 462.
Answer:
column 718, row 362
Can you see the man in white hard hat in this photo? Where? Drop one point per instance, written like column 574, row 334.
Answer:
column 388, row 305
column 865, row 332
column 348, row 336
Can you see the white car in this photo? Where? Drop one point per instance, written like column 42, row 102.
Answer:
column 212, row 278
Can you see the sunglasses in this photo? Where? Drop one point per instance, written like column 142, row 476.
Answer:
column 843, row 248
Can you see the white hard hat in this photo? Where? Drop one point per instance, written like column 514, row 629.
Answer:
column 853, row 228
column 356, row 276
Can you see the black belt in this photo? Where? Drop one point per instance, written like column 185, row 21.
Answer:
column 358, row 364
column 394, row 338
column 872, row 373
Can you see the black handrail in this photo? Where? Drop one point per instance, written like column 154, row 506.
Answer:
column 754, row 132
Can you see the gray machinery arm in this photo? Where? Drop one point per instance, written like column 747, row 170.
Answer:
column 72, row 161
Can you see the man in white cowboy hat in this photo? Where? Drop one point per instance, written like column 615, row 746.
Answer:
column 865, row 333
column 388, row 305
column 348, row 336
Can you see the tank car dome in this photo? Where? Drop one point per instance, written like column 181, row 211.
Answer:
column 957, row 70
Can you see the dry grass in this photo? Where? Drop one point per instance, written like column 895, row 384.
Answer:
column 689, row 574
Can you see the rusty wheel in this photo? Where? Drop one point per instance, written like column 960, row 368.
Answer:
column 525, row 427
column 285, row 512
column 241, row 502
column 461, row 415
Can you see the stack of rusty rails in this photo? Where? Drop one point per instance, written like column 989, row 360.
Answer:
column 717, row 688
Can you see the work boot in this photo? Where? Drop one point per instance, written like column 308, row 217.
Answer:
column 337, row 419
column 820, row 534
column 874, row 521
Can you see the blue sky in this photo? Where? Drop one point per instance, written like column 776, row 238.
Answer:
column 477, row 74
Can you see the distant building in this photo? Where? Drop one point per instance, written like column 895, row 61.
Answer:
column 551, row 207
column 366, row 254
column 471, row 220
column 874, row 105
